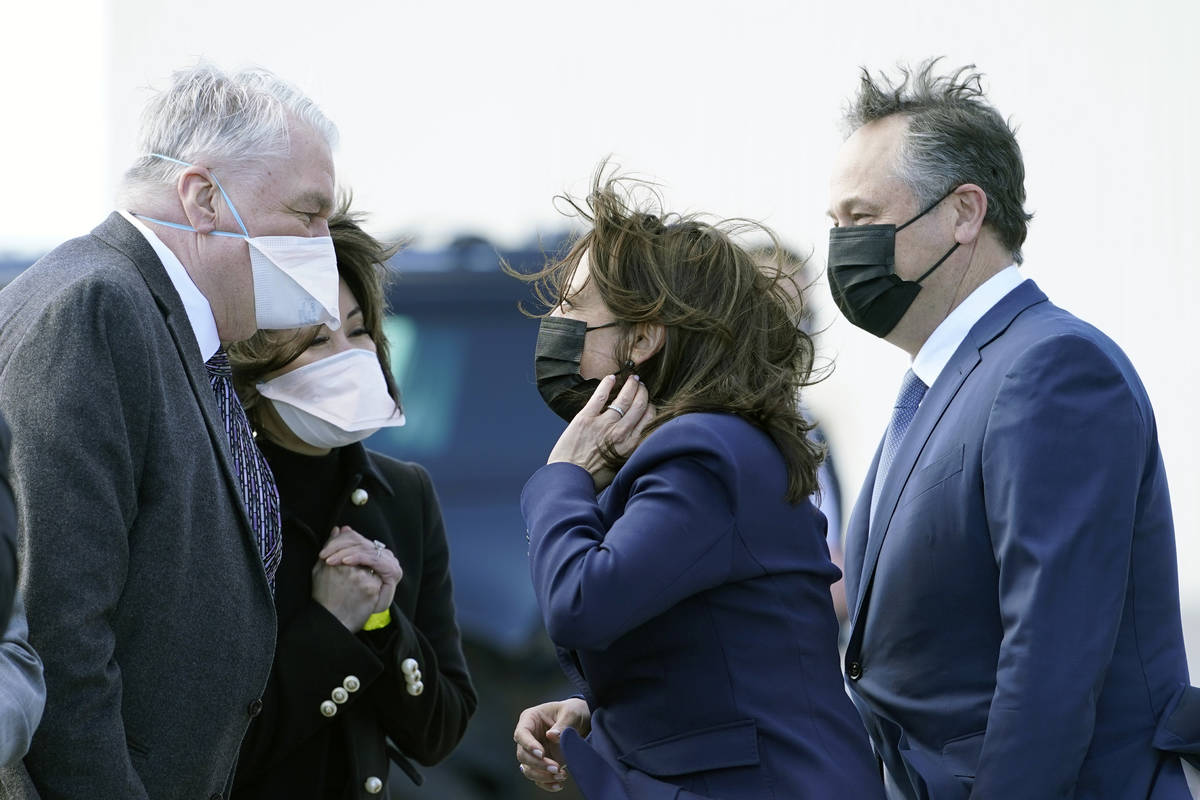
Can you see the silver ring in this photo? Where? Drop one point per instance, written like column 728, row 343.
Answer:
column 379, row 547
column 620, row 411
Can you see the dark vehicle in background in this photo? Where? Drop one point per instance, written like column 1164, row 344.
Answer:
column 462, row 355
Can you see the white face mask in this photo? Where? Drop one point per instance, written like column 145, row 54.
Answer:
column 295, row 281
column 336, row 401
column 295, row 277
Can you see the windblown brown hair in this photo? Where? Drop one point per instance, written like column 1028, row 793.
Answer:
column 360, row 261
column 733, row 341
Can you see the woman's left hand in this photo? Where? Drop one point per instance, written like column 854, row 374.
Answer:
column 350, row 548
column 618, row 424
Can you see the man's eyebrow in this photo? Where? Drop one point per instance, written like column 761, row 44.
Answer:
column 311, row 200
column 854, row 203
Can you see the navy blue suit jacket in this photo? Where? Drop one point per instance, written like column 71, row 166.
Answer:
column 1015, row 628
column 692, row 606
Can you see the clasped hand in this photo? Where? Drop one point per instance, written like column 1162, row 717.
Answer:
column 354, row 579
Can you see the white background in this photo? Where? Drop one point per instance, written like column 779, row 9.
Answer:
column 470, row 116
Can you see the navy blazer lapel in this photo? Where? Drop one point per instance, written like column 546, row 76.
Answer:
column 119, row 234
column 857, row 528
column 933, row 406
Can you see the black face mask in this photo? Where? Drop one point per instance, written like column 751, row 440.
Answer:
column 862, row 274
column 556, row 358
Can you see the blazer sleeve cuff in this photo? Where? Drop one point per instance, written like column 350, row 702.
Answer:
column 319, row 655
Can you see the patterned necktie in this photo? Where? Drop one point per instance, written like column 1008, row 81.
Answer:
column 912, row 389
column 254, row 474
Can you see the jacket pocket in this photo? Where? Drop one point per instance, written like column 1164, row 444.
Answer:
column 934, row 474
column 928, row 774
column 733, row 744
column 961, row 755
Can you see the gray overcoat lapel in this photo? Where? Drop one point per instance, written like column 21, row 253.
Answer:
column 933, row 406
column 119, row 234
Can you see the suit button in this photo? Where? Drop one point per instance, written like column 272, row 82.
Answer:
column 373, row 785
column 328, row 708
column 359, row 497
column 340, row 695
column 415, row 688
column 409, row 666
column 351, row 683
column 854, row 671
column 255, row 708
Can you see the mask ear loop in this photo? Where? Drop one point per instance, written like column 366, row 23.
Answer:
column 929, row 271
column 238, row 217
column 936, row 203
column 941, row 260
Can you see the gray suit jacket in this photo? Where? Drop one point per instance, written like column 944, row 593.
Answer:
column 145, row 592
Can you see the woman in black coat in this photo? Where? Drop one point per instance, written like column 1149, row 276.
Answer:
column 368, row 662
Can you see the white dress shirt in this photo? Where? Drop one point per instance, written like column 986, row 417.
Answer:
column 935, row 354
column 199, row 312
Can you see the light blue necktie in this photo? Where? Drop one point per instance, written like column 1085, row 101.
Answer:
column 912, row 389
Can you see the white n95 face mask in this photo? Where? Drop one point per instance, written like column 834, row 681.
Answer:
column 295, row 281
column 336, row 401
column 295, row 277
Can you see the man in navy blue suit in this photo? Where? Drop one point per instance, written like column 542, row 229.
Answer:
column 1010, row 562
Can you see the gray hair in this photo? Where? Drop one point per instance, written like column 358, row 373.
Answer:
column 230, row 123
column 954, row 137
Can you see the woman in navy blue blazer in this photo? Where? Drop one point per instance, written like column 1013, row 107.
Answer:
column 679, row 565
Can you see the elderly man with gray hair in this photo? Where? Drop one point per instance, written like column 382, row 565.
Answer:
column 149, row 523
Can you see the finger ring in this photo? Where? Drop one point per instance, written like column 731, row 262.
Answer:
column 379, row 547
column 620, row 411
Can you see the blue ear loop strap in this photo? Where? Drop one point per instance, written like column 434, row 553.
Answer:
column 245, row 234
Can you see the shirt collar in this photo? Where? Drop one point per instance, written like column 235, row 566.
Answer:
column 935, row 354
column 199, row 312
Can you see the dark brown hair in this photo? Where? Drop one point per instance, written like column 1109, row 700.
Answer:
column 360, row 262
column 732, row 338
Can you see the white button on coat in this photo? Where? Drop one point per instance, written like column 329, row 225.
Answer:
column 328, row 709
column 340, row 695
column 415, row 688
column 373, row 785
column 409, row 666
column 359, row 497
column 351, row 683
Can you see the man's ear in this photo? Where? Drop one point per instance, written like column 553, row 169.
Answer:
column 970, row 206
column 198, row 195
column 649, row 338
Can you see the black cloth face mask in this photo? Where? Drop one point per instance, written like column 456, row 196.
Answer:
column 556, row 358
column 862, row 274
